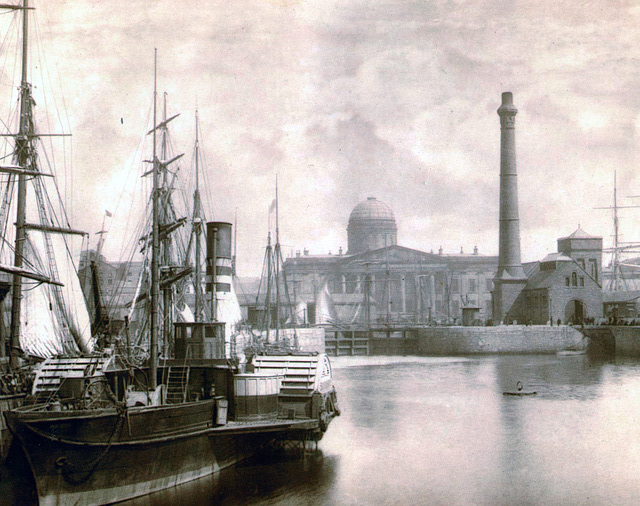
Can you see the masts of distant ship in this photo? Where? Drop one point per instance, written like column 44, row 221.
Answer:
column 617, row 277
column 277, row 266
column 272, row 276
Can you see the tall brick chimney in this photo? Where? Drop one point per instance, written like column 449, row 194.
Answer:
column 510, row 278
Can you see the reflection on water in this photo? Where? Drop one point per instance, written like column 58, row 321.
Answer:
column 439, row 431
column 279, row 476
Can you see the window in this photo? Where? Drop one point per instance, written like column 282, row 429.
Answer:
column 472, row 285
column 567, row 282
column 594, row 269
column 574, row 279
column 581, row 281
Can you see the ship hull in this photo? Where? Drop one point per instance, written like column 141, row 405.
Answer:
column 98, row 459
column 7, row 402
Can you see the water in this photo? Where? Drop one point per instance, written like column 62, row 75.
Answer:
column 440, row 431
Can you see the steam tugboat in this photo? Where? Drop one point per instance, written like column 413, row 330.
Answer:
column 106, row 427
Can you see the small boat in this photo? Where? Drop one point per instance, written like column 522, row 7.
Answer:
column 570, row 353
column 519, row 392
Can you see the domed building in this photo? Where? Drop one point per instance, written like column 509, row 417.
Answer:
column 377, row 282
column 371, row 226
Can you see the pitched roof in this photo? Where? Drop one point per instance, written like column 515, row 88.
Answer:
column 556, row 257
column 579, row 234
column 540, row 279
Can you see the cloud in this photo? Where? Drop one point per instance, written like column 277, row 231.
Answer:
column 347, row 99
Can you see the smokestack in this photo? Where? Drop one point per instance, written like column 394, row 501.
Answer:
column 219, row 253
column 509, row 262
column 510, row 279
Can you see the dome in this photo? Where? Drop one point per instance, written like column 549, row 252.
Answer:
column 371, row 209
column 371, row 226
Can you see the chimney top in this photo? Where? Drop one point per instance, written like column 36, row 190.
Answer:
column 507, row 106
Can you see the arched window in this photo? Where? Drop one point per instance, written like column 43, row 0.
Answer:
column 574, row 279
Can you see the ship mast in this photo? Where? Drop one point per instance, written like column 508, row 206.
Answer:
column 617, row 277
column 166, row 240
column 197, row 228
column 277, row 266
column 155, row 244
column 22, row 159
column 616, row 259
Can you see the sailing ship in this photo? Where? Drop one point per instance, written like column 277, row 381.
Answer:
column 274, row 319
column 112, row 427
column 48, row 315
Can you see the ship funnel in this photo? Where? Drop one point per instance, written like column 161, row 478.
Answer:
column 219, row 253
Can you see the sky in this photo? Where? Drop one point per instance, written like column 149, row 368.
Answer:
column 346, row 99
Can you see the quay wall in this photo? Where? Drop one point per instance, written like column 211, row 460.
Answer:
column 617, row 340
column 499, row 339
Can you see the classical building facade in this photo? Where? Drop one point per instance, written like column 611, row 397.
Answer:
column 378, row 281
column 404, row 286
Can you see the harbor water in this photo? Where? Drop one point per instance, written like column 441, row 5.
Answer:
column 440, row 431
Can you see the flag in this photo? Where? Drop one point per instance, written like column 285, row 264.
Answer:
column 272, row 207
column 109, row 215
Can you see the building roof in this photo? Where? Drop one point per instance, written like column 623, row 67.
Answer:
column 372, row 209
column 539, row 278
column 579, row 234
column 542, row 278
column 556, row 257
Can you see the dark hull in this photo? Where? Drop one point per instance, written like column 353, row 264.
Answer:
column 96, row 459
column 7, row 402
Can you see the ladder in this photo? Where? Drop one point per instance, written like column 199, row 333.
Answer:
column 177, row 381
